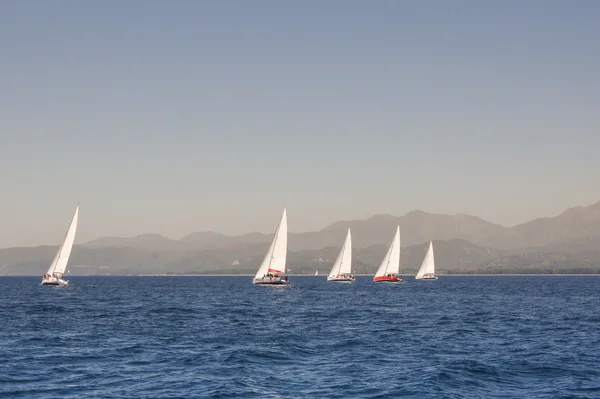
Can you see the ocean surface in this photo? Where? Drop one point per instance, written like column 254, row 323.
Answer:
column 222, row 337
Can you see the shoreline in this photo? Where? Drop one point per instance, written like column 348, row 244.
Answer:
column 324, row 275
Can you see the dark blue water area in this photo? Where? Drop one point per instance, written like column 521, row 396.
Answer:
column 222, row 337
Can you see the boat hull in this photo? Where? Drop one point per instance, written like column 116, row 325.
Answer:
column 271, row 282
column 342, row 280
column 55, row 282
column 426, row 278
column 387, row 279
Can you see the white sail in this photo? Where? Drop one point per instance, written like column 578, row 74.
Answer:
column 391, row 261
column 316, row 272
column 59, row 264
column 428, row 265
column 274, row 261
column 343, row 263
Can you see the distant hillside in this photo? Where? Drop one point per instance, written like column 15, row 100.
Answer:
column 579, row 223
column 454, row 254
column 144, row 241
column 415, row 227
column 461, row 242
column 542, row 262
column 578, row 245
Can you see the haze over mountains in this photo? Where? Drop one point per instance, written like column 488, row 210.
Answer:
column 462, row 242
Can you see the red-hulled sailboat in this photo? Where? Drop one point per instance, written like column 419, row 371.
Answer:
column 389, row 270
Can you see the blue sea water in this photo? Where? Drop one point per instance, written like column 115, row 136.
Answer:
column 222, row 337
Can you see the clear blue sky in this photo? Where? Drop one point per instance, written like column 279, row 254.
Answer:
column 174, row 117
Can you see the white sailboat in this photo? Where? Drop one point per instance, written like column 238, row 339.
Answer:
column 427, row 269
column 389, row 270
column 316, row 272
column 272, row 270
column 342, row 268
column 57, row 268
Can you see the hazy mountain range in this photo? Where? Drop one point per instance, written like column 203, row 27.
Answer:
column 462, row 242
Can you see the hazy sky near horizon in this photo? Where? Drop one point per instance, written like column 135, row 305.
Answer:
column 183, row 116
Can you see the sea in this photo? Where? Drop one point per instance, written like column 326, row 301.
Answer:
column 222, row 337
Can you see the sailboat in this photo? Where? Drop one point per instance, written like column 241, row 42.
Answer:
column 57, row 268
column 427, row 270
column 316, row 272
column 272, row 270
column 342, row 268
column 389, row 270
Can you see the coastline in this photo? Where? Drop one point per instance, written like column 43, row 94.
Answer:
column 324, row 275
column 366, row 275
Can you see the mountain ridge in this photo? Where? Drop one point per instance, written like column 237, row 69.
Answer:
column 416, row 226
column 461, row 241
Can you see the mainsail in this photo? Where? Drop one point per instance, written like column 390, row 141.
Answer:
column 428, row 265
column 343, row 263
column 59, row 264
column 274, row 261
column 391, row 261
